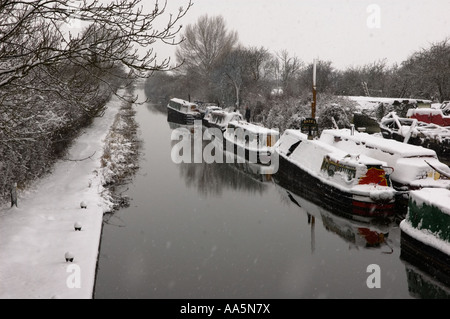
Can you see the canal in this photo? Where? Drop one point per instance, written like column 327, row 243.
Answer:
column 215, row 231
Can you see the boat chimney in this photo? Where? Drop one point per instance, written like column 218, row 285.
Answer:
column 309, row 125
column 313, row 105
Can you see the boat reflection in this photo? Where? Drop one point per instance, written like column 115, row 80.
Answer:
column 211, row 179
column 365, row 235
column 260, row 173
column 423, row 285
column 156, row 108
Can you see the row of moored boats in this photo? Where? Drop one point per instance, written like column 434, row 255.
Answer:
column 355, row 174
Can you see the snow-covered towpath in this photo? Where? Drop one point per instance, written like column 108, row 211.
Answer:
column 35, row 236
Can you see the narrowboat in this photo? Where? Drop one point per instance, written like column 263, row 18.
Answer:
column 339, row 181
column 425, row 232
column 182, row 111
column 220, row 119
column 252, row 142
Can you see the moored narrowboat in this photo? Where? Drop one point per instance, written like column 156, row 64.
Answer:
column 252, row 142
column 339, row 181
column 182, row 111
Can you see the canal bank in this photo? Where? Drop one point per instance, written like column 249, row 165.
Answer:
column 50, row 226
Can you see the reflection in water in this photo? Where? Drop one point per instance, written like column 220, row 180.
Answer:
column 213, row 178
column 156, row 108
column 424, row 286
column 427, row 268
column 220, row 231
column 357, row 234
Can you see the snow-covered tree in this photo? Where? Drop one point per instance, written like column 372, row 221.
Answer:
column 54, row 79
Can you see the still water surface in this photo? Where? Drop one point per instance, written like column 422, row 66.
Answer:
column 216, row 231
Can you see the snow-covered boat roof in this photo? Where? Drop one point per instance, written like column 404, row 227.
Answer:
column 183, row 102
column 438, row 197
column 225, row 113
column 335, row 153
column 257, row 129
column 390, row 146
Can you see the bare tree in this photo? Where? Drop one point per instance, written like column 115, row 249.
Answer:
column 233, row 68
column 31, row 34
column 54, row 81
column 205, row 44
column 326, row 77
column 426, row 72
column 288, row 70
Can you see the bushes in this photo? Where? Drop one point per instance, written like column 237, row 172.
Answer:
column 37, row 127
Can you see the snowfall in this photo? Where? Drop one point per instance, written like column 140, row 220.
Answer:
column 38, row 233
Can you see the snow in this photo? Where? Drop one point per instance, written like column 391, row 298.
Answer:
column 369, row 102
column 425, row 237
column 439, row 198
column 36, row 235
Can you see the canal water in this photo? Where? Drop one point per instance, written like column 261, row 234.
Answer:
column 217, row 231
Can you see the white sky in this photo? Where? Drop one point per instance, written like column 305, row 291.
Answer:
column 335, row 30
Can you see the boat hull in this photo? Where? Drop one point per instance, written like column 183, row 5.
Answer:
column 181, row 117
column 329, row 197
column 255, row 156
column 425, row 257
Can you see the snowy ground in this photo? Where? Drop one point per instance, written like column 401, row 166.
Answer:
column 35, row 236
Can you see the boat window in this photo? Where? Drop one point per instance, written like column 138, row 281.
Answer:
column 175, row 105
column 292, row 148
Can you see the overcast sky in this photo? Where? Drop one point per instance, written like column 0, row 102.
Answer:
column 346, row 32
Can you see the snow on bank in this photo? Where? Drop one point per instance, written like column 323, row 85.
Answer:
column 35, row 236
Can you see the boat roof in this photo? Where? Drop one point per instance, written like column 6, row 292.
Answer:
column 333, row 152
column 181, row 101
column 387, row 145
column 254, row 127
column 225, row 113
